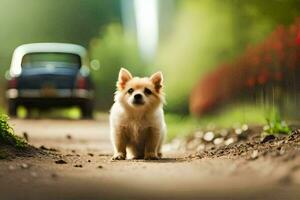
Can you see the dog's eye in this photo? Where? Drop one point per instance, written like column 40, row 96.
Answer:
column 147, row 91
column 130, row 91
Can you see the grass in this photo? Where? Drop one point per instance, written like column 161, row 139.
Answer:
column 232, row 116
column 275, row 125
column 7, row 135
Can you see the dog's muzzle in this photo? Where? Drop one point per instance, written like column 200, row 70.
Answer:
column 138, row 99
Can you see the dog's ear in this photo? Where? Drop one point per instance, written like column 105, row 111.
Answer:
column 124, row 77
column 157, row 80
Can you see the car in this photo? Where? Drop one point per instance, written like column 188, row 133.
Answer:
column 46, row 75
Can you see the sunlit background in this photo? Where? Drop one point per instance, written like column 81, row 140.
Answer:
column 224, row 61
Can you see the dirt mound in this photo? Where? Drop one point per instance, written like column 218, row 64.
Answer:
column 252, row 146
column 10, row 152
column 11, row 145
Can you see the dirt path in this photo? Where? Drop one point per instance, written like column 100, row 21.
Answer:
column 89, row 173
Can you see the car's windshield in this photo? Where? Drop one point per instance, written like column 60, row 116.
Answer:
column 56, row 60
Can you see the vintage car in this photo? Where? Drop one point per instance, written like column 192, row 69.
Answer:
column 46, row 75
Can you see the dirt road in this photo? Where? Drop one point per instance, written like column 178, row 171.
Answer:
column 90, row 174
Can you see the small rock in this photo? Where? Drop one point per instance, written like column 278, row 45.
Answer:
column 223, row 132
column 281, row 152
column 245, row 127
column 69, row 137
column 73, row 151
column 24, row 166
column 254, row 154
column 90, row 154
column 221, row 151
column 78, row 166
column 48, row 149
column 53, row 175
column 229, row 141
column 52, row 149
column 60, row 161
column 201, row 147
column 43, row 147
column 218, row 141
column 25, row 136
column 89, row 160
column 209, row 136
column 238, row 131
column 11, row 167
column 100, row 166
column 268, row 138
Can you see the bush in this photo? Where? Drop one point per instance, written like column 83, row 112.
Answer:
column 273, row 63
column 7, row 135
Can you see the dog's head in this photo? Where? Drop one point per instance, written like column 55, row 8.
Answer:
column 140, row 93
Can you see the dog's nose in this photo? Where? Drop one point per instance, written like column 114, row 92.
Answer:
column 138, row 97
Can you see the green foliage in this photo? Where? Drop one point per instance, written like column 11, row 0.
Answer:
column 276, row 126
column 113, row 49
column 209, row 32
column 7, row 135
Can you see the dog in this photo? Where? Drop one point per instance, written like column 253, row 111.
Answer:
column 137, row 121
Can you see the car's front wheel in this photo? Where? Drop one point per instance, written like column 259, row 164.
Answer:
column 87, row 110
column 12, row 108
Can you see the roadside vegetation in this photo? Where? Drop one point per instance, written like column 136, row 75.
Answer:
column 275, row 125
column 232, row 116
column 7, row 136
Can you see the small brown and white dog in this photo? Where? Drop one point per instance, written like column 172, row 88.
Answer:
column 137, row 118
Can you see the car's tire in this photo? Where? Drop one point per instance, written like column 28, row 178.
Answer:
column 12, row 108
column 87, row 110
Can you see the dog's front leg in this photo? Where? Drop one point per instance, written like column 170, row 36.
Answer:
column 119, row 143
column 152, row 142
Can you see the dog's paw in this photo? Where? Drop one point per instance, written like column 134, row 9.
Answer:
column 151, row 156
column 119, row 156
column 159, row 155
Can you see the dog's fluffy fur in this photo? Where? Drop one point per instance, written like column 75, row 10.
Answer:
column 136, row 118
